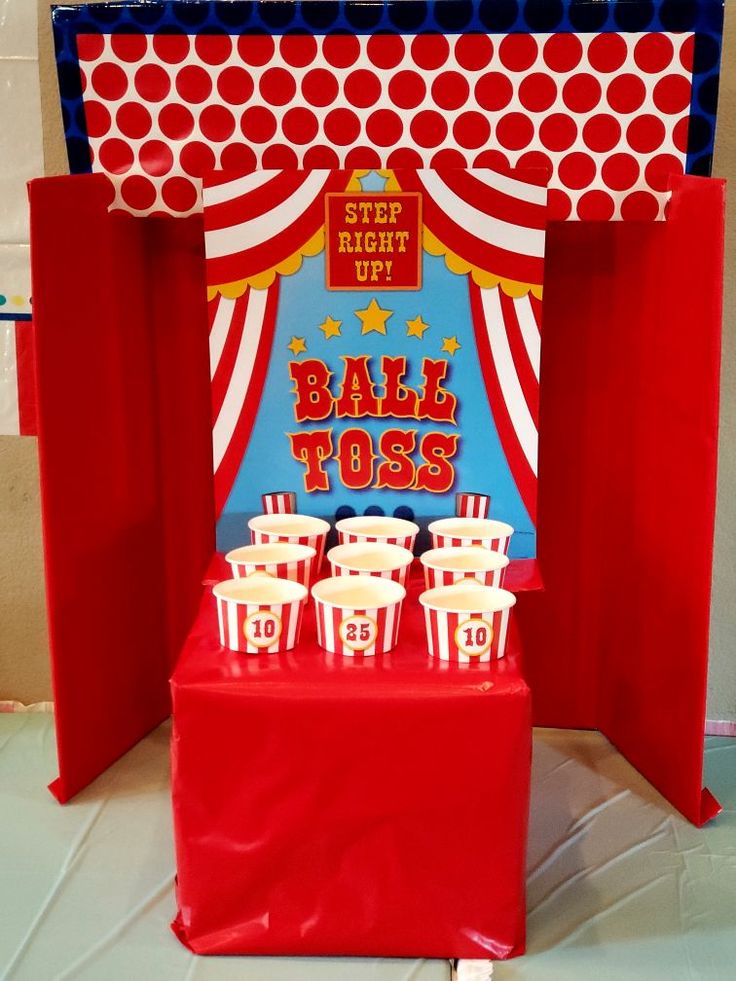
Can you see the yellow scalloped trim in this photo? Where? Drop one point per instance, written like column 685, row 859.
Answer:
column 482, row 277
column 455, row 263
column 262, row 280
column 287, row 267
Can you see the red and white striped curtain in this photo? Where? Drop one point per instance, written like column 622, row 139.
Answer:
column 241, row 337
column 489, row 226
column 258, row 226
column 508, row 336
column 492, row 227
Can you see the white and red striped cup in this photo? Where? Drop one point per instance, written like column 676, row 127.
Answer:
column 389, row 531
column 371, row 559
column 461, row 532
column 259, row 615
column 295, row 529
column 358, row 615
column 472, row 505
column 467, row 622
column 278, row 559
column 279, row 502
column 444, row 566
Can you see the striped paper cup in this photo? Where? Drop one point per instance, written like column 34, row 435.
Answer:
column 472, row 505
column 295, row 529
column 466, row 622
column 444, row 566
column 371, row 559
column 358, row 615
column 459, row 532
column 277, row 559
column 279, row 502
column 259, row 615
column 390, row 531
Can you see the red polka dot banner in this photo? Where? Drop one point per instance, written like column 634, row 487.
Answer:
column 605, row 114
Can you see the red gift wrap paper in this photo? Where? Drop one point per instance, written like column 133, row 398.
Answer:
column 372, row 806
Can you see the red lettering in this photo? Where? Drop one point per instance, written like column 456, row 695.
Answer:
column 355, row 458
column 311, row 386
column 436, row 402
column 437, row 475
column 397, row 470
column 357, row 397
column 312, row 449
column 399, row 400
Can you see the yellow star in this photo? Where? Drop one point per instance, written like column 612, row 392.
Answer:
column 416, row 327
column 450, row 345
column 330, row 328
column 373, row 318
column 297, row 346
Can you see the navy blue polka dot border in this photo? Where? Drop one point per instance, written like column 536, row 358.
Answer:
column 704, row 17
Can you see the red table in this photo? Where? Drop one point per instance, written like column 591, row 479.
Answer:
column 328, row 805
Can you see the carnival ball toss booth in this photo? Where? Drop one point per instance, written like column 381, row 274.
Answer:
column 551, row 332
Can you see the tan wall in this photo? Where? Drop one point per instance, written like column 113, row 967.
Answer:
column 24, row 667
column 22, row 633
column 54, row 152
column 722, row 675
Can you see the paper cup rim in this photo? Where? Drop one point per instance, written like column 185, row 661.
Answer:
column 369, row 583
column 486, row 527
column 398, row 526
column 237, row 590
column 497, row 561
column 246, row 554
column 490, row 599
column 403, row 557
column 257, row 522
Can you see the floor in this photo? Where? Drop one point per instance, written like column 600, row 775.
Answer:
column 620, row 886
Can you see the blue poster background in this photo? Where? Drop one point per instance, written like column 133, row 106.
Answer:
column 443, row 303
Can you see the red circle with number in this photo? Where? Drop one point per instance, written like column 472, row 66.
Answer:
column 262, row 628
column 474, row 637
column 358, row 632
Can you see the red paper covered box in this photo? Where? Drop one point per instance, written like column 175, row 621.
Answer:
column 333, row 805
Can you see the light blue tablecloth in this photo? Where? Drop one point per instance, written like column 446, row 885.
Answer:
column 620, row 887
